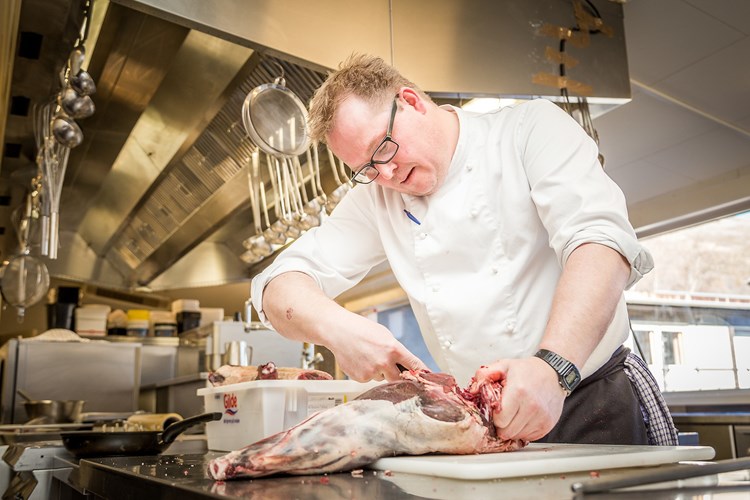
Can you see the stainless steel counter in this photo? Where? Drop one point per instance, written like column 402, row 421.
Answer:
column 712, row 418
column 184, row 477
column 728, row 433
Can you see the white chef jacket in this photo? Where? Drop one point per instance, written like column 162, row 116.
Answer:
column 523, row 190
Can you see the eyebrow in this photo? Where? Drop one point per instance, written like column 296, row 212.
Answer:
column 371, row 145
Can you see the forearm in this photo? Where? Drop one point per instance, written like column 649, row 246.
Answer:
column 587, row 294
column 298, row 309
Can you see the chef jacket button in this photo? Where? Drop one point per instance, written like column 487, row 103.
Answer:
column 510, row 326
column 469, row 167
column 494, row 270
column 435, row 289
column 448, row 344
column 422, row 236
column 474, row 213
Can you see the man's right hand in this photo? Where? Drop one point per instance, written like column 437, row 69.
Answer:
column 364, row 350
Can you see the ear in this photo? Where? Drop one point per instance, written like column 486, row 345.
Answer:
column 410, row 97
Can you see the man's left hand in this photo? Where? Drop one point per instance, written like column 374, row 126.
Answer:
column 532, row 398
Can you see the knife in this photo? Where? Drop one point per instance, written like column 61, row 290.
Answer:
column 670, row 473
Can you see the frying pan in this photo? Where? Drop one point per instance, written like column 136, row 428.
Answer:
column 118, row 443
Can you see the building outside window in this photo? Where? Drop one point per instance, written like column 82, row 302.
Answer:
column 691, row 315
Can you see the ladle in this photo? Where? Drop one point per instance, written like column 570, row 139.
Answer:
column 338, row 194
column 311, row 207
column 253, row 177
column 289, row 190
column 66, row 131
column 76, row 58
column 307, row 220
column 83, row 83
column 76, row 106
column 316, row 206
column 257, row 246
column 251, row 258
column 262, row 245
column 275, row 233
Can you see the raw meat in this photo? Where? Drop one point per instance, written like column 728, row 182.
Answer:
column 270, row 371
column 422, row 413
column 229, row 374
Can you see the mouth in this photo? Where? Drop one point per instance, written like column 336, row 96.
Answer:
column 408, row 176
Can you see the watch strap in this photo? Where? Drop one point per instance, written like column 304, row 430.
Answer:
column 568, row 375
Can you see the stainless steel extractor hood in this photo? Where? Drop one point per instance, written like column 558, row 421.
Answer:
column 157, row 195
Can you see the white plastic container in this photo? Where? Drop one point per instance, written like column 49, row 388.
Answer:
column 254, row 410
column 137, row 328
column 91, row 320
column 163, row 323
column 185, row 305
column 211, row 315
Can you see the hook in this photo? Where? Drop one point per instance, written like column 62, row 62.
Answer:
column 277, row 63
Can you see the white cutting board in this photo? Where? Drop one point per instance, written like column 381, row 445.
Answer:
column 540, row 458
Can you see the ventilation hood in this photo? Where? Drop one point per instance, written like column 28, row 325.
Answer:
column 157, row 195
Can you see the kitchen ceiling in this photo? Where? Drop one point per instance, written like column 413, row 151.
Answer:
column 157, row 194
column 680, row 150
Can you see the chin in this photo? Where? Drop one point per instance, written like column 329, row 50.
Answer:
column 422, row 189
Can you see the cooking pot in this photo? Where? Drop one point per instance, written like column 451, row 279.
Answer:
column 118, row 443
column 47, row 411
column 54, row 412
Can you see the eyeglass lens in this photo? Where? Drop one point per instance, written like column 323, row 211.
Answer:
column 385, row 152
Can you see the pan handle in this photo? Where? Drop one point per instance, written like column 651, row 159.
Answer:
column 177, row 428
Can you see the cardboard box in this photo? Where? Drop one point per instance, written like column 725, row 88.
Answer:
column 254, row 410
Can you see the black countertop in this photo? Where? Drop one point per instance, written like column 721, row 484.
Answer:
column 184, row 476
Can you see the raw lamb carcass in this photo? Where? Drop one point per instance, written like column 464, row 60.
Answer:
column 229, row 374
column 422, row 413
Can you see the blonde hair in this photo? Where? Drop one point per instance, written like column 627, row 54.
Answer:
column 367, row 77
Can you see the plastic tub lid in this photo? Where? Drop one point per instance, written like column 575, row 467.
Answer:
column 138, row 314
column 181, row 305
column 137, row 323
column 96, row 307
column 162, row 317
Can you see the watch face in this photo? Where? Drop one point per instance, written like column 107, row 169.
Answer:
column 571, row 378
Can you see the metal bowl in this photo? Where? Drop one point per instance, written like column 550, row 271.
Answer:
column 56, row 412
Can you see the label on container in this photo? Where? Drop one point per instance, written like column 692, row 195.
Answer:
column 316, row 403
column 231, row 409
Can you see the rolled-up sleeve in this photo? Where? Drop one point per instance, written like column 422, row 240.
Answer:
column 336, row 255
column 575, row 199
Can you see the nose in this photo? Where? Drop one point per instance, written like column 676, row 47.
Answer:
column 387, row 170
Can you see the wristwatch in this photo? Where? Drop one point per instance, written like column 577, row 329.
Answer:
column 567, row 373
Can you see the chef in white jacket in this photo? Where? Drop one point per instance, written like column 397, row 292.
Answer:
column 511, row 242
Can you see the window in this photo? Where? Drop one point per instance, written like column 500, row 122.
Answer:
column 643, row 345
column 691, row 314
column 402, row 323
column 672, row 347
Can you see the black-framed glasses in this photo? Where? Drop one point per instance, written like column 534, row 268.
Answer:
column 383, row 154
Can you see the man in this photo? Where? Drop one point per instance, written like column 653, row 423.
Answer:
column 512, row 244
